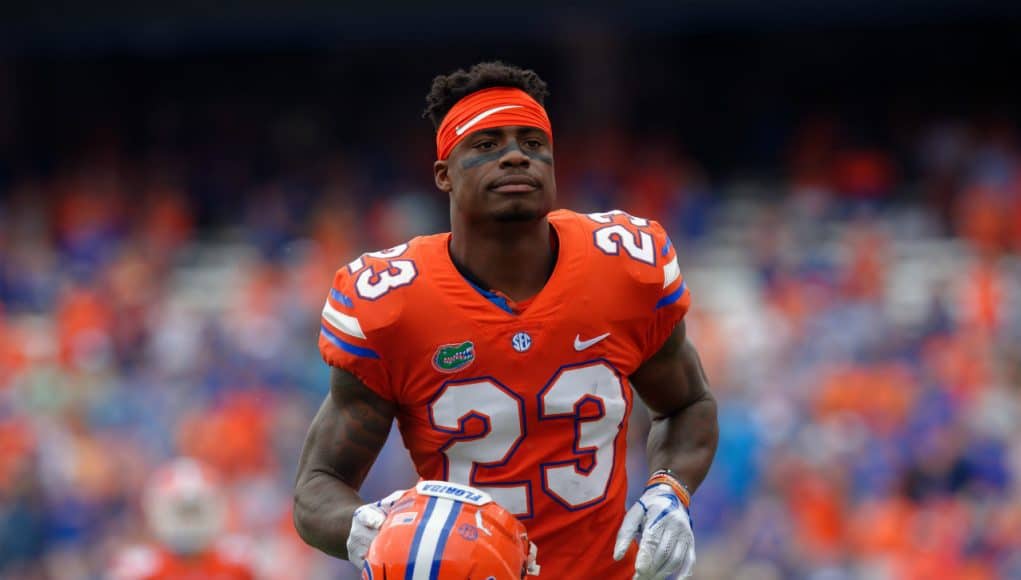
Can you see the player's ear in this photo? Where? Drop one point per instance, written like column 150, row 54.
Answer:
column 441, row 176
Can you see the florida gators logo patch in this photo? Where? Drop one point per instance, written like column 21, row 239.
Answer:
column 454, row 357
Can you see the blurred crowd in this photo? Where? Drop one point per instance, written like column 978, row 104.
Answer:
column 854, row 310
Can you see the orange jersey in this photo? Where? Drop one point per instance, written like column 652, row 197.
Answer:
column 150, row 563
column 530, row 407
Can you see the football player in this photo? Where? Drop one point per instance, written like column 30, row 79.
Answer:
column 509, row 349
column 185, row 511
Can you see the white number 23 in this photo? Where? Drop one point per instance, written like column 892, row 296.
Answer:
column 569, row 482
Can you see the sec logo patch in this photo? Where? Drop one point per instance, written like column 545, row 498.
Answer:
column 521, row 342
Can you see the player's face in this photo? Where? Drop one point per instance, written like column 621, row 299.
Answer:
column 503, row 174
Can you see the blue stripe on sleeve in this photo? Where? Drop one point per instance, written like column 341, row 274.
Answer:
column 346, row 346
column 409, row 573
column 342, row 299
column 667, row 246
column 672, row 297
column 434, row 572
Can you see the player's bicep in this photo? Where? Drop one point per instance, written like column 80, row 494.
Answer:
column 672, row 378
column 347, row 432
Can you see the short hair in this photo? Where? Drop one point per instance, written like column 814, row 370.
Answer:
column 447, row 90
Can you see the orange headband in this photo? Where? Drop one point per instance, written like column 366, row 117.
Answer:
column 488, row 108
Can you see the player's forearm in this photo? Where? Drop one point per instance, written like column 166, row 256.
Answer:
column 323, row 508
column 685, row 442
column 343, row 441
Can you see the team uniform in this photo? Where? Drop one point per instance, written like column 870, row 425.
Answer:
column 222, row 562
column 185, row 510
column 528, row 402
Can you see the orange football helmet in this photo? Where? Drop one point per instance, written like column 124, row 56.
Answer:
column 445, row 531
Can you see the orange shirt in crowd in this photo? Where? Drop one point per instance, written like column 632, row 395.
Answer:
column 152, row 563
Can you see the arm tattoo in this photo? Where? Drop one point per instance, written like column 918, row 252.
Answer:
column 363, row 424
column 345, row 437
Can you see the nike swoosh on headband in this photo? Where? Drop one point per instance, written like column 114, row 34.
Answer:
column 459, row 130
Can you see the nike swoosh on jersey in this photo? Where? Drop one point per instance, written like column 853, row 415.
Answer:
column 580, row 344
column 459, row 130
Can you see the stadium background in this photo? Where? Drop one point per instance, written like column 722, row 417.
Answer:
column 842, row 181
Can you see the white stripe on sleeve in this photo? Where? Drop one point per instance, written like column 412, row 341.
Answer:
column 347, row 324
column 671, row 272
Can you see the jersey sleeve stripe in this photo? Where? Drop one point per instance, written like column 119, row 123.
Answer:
column 671, row 272
column 346, row 346
column 673, row 296
column 349, row 325
column 341, row 298
column 666, row 248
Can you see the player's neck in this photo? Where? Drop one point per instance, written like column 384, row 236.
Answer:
column 516, row 261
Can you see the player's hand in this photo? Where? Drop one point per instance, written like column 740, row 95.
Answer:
column 531, row 566
column 667, row 541
column 365, row 526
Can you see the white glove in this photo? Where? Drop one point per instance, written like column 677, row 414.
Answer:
column 365, row 526
column 531, row 566
column 668, row 544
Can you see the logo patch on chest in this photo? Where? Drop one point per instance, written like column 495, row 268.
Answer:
column 450, row 358
column 521, row 342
